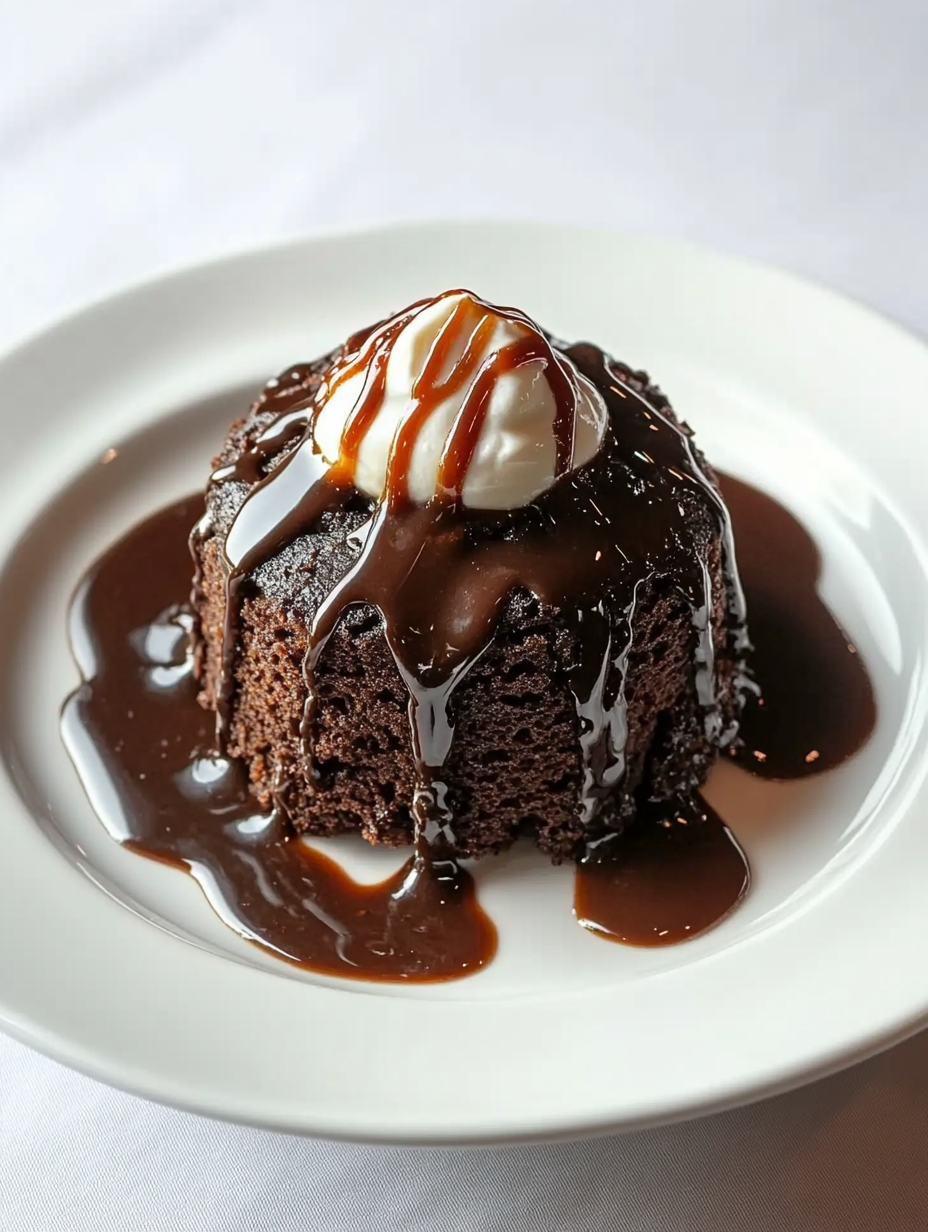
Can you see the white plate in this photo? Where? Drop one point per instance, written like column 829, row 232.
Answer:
column 116, row 965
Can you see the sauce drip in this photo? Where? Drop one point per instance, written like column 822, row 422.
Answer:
column 674, row 874
column 814, row 706
column 141, row 745
column 811, row 708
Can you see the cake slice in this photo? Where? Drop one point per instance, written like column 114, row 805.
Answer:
column 456, row 578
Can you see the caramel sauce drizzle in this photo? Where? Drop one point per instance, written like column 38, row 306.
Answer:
column 141, row 745
column 430, row 389
column 372, row 355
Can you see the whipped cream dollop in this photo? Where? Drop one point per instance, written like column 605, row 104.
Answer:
column 459, row 398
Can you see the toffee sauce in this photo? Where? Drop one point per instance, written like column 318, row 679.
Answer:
column 143, row 748
column 146, row 754
column 673, row 874
column 809, row 706
column 814, row 706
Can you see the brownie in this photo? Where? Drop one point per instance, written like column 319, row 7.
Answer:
column 516, row 762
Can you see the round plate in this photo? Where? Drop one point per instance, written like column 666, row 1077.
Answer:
column 116, row 965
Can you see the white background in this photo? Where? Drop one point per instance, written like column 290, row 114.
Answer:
column 140, row 135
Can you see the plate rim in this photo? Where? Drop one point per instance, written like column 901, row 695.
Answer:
column 533, row 1126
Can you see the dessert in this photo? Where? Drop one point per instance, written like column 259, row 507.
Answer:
column 457, row 581
column 454, row 581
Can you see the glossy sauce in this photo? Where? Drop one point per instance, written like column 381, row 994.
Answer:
column 810, row 708
column 815, row 706
column 675, row 873
column 142, row 746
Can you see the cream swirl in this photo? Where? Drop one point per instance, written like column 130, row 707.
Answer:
column 455, row 397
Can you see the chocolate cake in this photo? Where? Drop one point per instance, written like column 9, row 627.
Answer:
column 421, row 650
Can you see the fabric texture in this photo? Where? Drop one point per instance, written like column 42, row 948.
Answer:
column 135, row 137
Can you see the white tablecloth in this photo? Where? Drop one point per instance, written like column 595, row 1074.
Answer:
column 141, row 134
